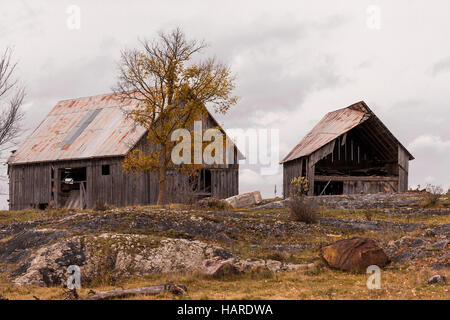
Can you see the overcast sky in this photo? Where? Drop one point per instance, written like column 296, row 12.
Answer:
column 294, row 60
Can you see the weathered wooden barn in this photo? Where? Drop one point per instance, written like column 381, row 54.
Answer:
column 349, row 151
column 74, row 158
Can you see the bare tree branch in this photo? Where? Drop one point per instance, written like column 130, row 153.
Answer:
column 11, row 99
column 170, row 90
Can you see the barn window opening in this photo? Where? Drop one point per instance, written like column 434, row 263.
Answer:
column 105, row 170
column 73, row 174
column 42, row 206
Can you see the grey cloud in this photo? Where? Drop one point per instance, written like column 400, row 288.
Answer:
column 26, row 18
column 290, row 58
column 441, row 66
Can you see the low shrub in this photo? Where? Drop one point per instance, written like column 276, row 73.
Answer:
column 432, row 196
column 302, row 209
column 100, row 206
column 368, row 215
column 213, row 204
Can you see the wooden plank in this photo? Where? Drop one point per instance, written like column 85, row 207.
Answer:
column 325, row 188
column 354, row 178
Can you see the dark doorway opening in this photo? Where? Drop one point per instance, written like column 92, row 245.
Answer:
column 73, row 187
column 331, row 188
column 201, row 183
column 205, row 181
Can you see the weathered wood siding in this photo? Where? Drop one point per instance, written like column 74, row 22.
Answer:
column 291, row 169
column 403, row 168
column 224, row 183
column 31, row 184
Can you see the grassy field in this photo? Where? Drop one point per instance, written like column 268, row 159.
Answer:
column 320, row 284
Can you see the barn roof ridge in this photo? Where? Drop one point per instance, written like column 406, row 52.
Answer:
column 88, row 97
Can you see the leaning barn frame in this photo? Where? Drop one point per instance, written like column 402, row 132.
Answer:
column 74, row 158
column 349, row 151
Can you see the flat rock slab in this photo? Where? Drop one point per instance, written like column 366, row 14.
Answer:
column 274, row 204
column 245, row 199
column 218, row 267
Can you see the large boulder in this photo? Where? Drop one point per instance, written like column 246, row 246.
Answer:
column 354, row 254
column 245, row 199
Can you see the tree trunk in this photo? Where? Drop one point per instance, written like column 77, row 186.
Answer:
column 162, row 177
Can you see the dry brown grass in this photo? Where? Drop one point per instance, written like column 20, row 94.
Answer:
column 324, row 284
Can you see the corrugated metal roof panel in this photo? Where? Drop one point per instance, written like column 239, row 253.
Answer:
column 109, row 133
column 329, row 128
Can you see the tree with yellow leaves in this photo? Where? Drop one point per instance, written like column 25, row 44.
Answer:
column 171, row 91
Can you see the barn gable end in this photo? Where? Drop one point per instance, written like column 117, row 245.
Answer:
column 349, row 151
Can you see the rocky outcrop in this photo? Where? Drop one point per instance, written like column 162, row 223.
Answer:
column 117, row 255
column 370, row 201
column 403, row 203
column 412, row 249
column 19, row 246
column 364, row 225
column 354, row 254
column 441, row 230
column 124, row 255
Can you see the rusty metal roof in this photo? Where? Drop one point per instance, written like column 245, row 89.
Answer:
column 81, row 128
column 335, row 124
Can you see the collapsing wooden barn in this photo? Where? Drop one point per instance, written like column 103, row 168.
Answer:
column 74, row 158
column 349, row 151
